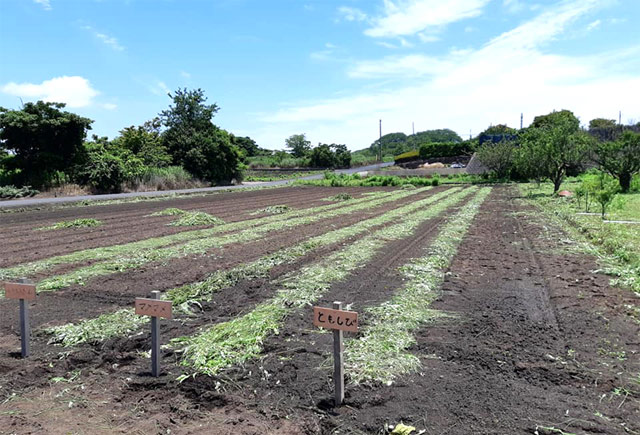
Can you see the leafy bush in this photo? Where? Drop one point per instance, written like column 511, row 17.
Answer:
column 171, row 177
column 8, row 192
column 446, row 149
column 407, row 157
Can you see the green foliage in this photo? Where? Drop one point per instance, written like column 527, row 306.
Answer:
column 444, row 149
column 407, row 157
column 602, row 123
column 145, row 143
column 298, row 144
column 44, row 139
column 12, row 192
column 246, row 144
column 195, row 218
column 398, row 143
column 195, row 143
column 340, row 197
column 499, row 157
column 330, row 156
column 77, row 223
column 120, row 323
column 553, row 145
column 620, row 158
column 106, row 167
column 500, row 129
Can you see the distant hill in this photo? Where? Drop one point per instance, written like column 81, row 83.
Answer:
column 394, row 144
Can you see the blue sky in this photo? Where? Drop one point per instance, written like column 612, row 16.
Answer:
column 330, row 69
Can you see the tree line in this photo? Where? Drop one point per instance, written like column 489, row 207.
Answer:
column 43, row 146
column 555, row 146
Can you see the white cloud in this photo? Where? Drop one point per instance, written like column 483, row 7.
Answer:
column 158, row 87
column 471, row 89
column 46, row 4
column 514, row 6
column 106, row 39
column 109, row 106
column 409, row 17
column 75, row 91
column 351, row 14
column 185, row 75
column 415, row 65
column 594, row 25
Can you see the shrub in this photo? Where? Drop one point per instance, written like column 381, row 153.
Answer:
column 407, row 157
column 8, row 192
column 445, row 149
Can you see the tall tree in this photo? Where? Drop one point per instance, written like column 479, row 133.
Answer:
column 554, row 144
column 195, row 143
column 620, row 158
column 298, row 144
column 43, row 138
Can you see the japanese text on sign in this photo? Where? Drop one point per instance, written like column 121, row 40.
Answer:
column 19, row 291
column 153, row 307
column 335, row 319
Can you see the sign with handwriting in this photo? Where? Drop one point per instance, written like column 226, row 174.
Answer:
column 19, row 291
column 153, row 307
column 330, row 318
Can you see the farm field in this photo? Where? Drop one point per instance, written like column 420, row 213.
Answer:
column 477, row 315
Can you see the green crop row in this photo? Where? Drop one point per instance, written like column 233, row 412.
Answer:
column 111, row 252
column 124, row 321
column 241, row 339
column 380, row 352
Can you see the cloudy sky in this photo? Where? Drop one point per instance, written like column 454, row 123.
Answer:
column 330, row 69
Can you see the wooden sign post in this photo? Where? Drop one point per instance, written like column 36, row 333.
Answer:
column 24, row 291
column 337, row 320
column 155, row 308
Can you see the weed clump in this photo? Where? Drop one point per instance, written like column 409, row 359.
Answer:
column 171, row 211
column 408, row 187
column 196, row 218
column 340, row 197
column 78, row 223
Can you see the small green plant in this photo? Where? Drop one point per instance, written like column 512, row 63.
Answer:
column 171, row 211
column 196, row 218
column 77, row 223
column 407, row 186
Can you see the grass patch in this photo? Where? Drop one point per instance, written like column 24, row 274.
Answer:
column 616, row 245
column 236, row 341
column 120, row 323
column 171, row 211
column 195, row 218
column 380, row 353
column 340, row 197
column 273, row 209
column 77, row 223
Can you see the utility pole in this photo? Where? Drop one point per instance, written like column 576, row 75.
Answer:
column 520, row 121
column 620, row 117
column 380, row 142
column 413, row 127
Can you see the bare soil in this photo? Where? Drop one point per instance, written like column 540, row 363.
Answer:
column 536, row 341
